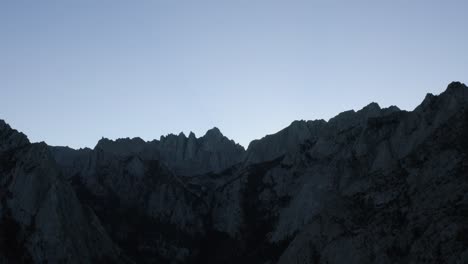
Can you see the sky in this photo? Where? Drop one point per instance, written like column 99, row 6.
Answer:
column 72, row 72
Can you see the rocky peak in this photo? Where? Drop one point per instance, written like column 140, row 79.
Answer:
column 41, row 219
column 213, row 133
column 449, row 102
column 192, row 135
column 372, row 107
column 456, row 93
column 349, row 119
column 456, row 87
column 192, row 155
column 214, row 140
column 11, row 138
column 121, row 146
column 288, row 139
column 377, row 185
column 427, row 100
column 183, row 155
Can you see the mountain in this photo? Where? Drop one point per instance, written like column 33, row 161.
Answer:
column 187, row 156
column 378, row 185
column 41, row 218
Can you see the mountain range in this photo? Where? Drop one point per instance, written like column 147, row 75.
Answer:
column 378, row 185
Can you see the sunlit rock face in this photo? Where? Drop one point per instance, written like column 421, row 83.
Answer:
column 378, row 185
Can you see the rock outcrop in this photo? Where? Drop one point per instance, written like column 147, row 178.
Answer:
column 378, row 185
column 190, row 155
column 41, row 219
column 185, row 156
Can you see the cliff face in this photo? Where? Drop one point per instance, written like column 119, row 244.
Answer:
column 369, row 186
column 185, row 156
column 190, row 156
column 41, row 219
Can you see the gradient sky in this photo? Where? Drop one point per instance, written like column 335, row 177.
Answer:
column 74, row 71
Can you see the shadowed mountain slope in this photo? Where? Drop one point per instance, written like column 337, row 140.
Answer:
column 378, row 185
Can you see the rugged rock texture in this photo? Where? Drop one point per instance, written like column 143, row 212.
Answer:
column 41, row 219
column 369, row 186
column 185, row 156
column 190, row 156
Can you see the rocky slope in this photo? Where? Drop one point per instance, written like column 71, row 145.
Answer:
column 369, row 186
column 185, row 156
column 41, row 219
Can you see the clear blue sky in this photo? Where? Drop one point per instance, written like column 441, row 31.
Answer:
column 74, row 71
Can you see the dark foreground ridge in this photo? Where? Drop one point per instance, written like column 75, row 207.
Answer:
column 371, row 186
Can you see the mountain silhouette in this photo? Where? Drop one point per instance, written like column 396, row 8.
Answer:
column 377, row 185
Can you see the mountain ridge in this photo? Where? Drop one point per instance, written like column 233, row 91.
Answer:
column 377, row 185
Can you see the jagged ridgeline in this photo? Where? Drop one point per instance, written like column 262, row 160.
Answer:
column 379, row 185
